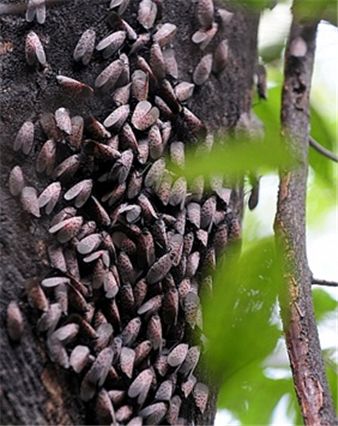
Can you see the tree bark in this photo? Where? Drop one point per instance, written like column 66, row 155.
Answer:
column 33, row 389
column 299, row 323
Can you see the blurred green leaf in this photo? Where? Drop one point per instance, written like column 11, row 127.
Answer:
column 237, row 158
column 252, row 396
column 323, row 303
column 316, row 10
column 332, row 377
column 238, row 318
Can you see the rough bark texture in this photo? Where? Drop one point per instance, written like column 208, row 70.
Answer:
column 296, row 301
column 33, row 391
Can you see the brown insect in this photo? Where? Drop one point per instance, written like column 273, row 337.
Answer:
column 203, row 70
column 67, row 169
column 109, row 76
column 14, row 322
column 67, row 229
column 205, row 12
column 36, row 9
column 154, row 413
column 80, row 192
column 170, row 62
column 131, row 331
column 74, row 86
column 127, row 359
column 154, row 332
column 29, row 201
column 34, row 51
column 177, row 356
column 124, row 413
column 112, row 43
column 147, row 12
column 188, row 385
column 16, row 181
column 25, row 138
column 46, row 158
column 50, row 319
column 165, row 34
column 49, row 197
column 201, row 394
column 144, row 115
column 165, row 391
column 174, row 410
column 117, row 118
column 141, row 385
column 121, row 95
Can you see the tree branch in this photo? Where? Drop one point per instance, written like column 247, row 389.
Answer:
column 316, row 281
column 322, row 150
column 299, row 324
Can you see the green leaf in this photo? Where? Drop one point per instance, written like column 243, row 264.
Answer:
column 237, row 158
column 238, row 317
column 323, row 303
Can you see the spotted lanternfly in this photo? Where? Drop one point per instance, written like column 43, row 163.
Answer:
column 109, row 75
column 104, row 335
column 74, row 86
column 81, row 191
column 49, row 197
column 84, row 49
column 61, row 296
column 100, row 368
column 165, row 391
column 117, row 118
column 120, row 4
column 72, row 263
column 144, row 115
column 140, row 292
column 124, row 413
column 204, row 36
column 89, row 243
column 57, row 352
column 155, row 173
column 140, row 85
column 193, row 123
column 104, row 408
column 178, row 192
column 170, row 307
column 25, row 138
column 225, row 16
column 150, row 307
column 254, row 194
column 221, row 57
column 66, row 334
column 170, row 62
column 46, row 158
column 159, row 269
column 154, row 413
column 127, row 358
column 298, row 47
column 135, row 421
column 147, row 13
column 67, row 229
column 188, row 242
column 112, row 43
column 205, row 12
column 261, row 81
column 14, row 322
column 16, row 181
column 56, row 257
column 188, row 385
column 201, row 394
column 184, row 91
column 142, row 350
column 165, row 34
column 191, row 360
column 161, row 365
column 177, row 356
column 147, row 247
column 131, row 331
column 203, row 70
column 174, row 410
column 36, row 8
column 221, row 239
column 50, row 319
column 140, row 386
column 54, row 281
column 157, row 61
column 154, row 332
column 29, row 201
column 67, row 169
column 191, row 304
column 36, row 296
column 34, row 50
column 117, row 396
column 122, row 94
column 208, row 212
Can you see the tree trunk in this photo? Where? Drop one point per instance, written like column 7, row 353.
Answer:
column 35, row 390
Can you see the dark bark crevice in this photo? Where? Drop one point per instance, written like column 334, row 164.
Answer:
column 33, row 390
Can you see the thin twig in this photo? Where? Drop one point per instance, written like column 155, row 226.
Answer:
column 316, row 281
column 298, row 318
column 322, row 150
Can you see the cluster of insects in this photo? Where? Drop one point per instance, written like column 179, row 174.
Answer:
column 132, row 243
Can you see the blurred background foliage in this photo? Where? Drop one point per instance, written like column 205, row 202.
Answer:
column 245, row 341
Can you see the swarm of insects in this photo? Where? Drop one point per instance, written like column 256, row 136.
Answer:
column 130, row 239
